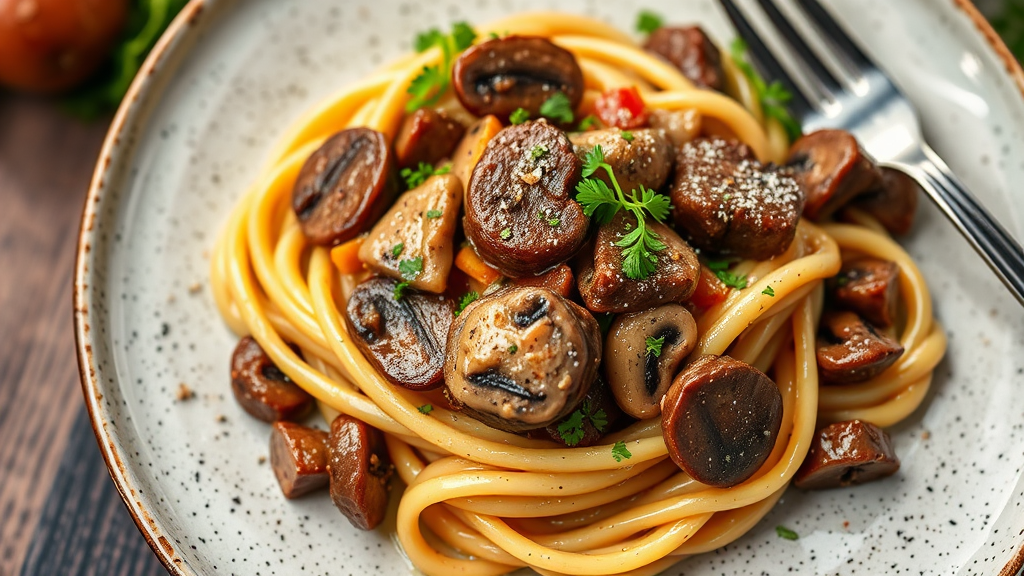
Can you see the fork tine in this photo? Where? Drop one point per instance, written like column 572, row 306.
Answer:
column 766, row 63
column 851, row 54
column 821, row 74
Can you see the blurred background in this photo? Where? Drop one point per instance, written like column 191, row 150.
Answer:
column 64, row 67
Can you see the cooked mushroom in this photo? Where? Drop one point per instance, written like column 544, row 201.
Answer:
column 728, row 203
column 419, row 227
column 850, row 350
column 360, row 470
column 426, row 136
column 869, row 287
column 893, row 203
column 521, row 358
column 504, row 74
column 643, row 353
column 681, row 126
column 402, row 334
column 559, row 279
column 690, row 50
column 643, row 158
column 847, row 453
column 262, row 389
column 590, row 421
column 520, row 212
column 298, row 456
column 832, row 169
column 720, row 420
column 606, row 288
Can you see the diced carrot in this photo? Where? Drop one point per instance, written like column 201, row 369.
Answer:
column 346, row 256
column 467, row 261
column 559, row 279
column 472, row 146
column 710, row 290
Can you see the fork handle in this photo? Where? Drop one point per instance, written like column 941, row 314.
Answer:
column 995, row 245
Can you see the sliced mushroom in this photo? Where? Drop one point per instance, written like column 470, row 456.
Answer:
column 690, row 50
column 426, row 136
column 832, row 169
column 262, row 389
column 298, row 456
column 597, row 415
column 520, row 212
column 420, row 225
column 681, row 126
column 559, row 279
column 606, row 288
column 893, row 203
column 729, row 203
column 344, row 186
column 643, row 353
column 869, row 287
column 504, row 74
column 720, row 420
column 641, row 158
column 850, row 350
column 845, row 454
column 360, row 470
column 403, row 337
column 472, row 147
column 521, row 358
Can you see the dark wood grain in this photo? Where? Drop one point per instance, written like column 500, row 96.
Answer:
column 46, row 162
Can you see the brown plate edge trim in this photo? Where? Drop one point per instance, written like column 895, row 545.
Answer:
column 144, row 521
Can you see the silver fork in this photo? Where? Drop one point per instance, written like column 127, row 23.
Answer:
column 874, row 110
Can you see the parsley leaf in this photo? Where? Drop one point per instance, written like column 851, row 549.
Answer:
column 590, row 121
column 426, row 409
column 432, row 214
column 786, row 533
column 620, row 452
column 626, row 135
column 773, row 97
column 431, row 83
column 467, row 299
column 505, row 233
column 410, row 269
column 414, row 178
column 571, row 430
column 519, row 116
column 557, row 108
column 647, row 22
column 599, row 419
column 399, row 290
column 654, row 346
column 397, row 249
column 554, row 221
column 513, row 349
column 769, row 291
column 732, row 280
column 538, row 151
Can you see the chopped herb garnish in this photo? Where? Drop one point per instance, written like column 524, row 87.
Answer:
column 397, row 249
column 647, row 22
column 599, row 419
column 769, row 291
column 626, row 135
column 505, row 233
column 557, row 108
column 732, row 280
column 492, row 35
column 620, row 452
column 554, row 221
column 410, row 269
column 399, row 290
column 467, row 299
column 414, row 178
column 426, row 409
column 654, row 346
column 519, row 116
column 773, row 97
column 599, row 201
column 432, row 214
column 432, row 82
column 588, row 122
column 513, row 349
column 538, row 151
column 571, row 430
column 786, row 533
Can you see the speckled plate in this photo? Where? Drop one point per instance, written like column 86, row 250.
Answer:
column 230, row 75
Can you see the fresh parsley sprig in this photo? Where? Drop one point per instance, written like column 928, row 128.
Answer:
column 600, row 202
column 572, row 430
column 467, row 299
column 620, row 452
column 773, row 97
column 647, row 22
column 730, row 279
column 431, row 83
column 557, row 108
column 653, row 346
column 409, row 269
column 414, row 178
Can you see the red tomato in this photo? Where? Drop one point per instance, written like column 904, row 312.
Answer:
column 622, row 108
column 710, row 290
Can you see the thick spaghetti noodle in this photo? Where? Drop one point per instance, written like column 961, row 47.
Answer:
column 482, row 501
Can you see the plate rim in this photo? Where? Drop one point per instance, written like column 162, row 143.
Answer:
column 141, row 85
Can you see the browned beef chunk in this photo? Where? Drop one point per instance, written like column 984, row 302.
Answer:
column 690, row 50
column 847, row 453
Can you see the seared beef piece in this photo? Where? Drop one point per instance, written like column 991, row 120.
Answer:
column 845, row 454
column 690, row 50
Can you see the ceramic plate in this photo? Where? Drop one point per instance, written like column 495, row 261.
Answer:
column 198, row 123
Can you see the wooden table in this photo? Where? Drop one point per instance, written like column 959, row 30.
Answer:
column 59, row 511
